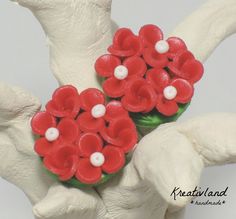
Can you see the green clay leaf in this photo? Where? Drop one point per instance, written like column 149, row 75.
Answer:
column 145, row 123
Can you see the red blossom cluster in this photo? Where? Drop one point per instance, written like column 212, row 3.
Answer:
column 145, row 71
column 82, row 136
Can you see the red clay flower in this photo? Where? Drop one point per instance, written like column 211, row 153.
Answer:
column 119, row 73
column 53, row 134
column 65, row 102
column 97, row 111
column 184, row 65
column 125, row 44
column 87, row 143
column 169, row 91
column 96, row 159
column 157, row 51
column 121, row 133
column 140, row 97
column 63, row 161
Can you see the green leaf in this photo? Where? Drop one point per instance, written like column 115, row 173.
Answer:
column 145, row 123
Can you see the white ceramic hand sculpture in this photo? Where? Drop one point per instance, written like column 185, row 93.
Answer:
column 143, row 189
column 19, row 164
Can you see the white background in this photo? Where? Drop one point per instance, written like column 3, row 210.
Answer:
column 24, row 62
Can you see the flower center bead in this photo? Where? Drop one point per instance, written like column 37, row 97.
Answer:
column 170, row 92
column 98, row 111
column 162, row 46
column 97, row 159
column 52, row 134
column 121, row 72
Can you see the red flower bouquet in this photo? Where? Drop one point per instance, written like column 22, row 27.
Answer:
column 152, row 77
column 85, row 140
column 82, row 139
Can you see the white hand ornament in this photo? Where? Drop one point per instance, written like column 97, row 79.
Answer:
column 143, row 190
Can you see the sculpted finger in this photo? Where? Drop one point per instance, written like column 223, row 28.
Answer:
column 16, row 103
column 167, row 160
column 62, row 202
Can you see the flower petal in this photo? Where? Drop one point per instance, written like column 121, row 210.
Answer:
column 68, row 130
column 89, row 143
column 68, row 173
column 127, row 140
column 64, row 92
column 114, row 159
column 185, row 90
column 132, row 104
column 121, row 34
column 87, row 173
column 166, row 107
column 41, row 122
column 106, row 64
column 91, row 97
column 63, row 162
column 158, row 78
column 112, row 133
column 65, row 102
column 70, row 108
column 136, row 66
column 148, row 96
column 120, row 124
column 179, row 60
column 114, row 87
column 176, row 45
column 114, row 110
column 192, row 70
column 125, row 44
column 155, row 59
column 43, row 147
column 150, row 35
column 140, row 97
column 87, row 123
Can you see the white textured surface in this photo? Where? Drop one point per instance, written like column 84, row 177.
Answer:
column 217, row 102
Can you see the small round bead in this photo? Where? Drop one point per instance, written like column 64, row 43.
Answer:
column 52, row 134
column 97, row 159
column 98, row 111
column 121, row 72
column 162, row 46
column 170, row 92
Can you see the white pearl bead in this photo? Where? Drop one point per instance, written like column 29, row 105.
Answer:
column 170, row 92
column 162, row 46
column 52, row 134
column 98, row 111
column 97, row 159
column 121, row 72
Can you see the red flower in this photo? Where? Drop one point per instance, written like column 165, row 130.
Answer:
column 184, row 65
column 97, row 159
column 169, row 92
column 158, row 52
column 63, row 161
column 121, row 133
column 96, row 111
column 65, row 102
column 125, row 44
column 53, row 134
column 140, row 97
column 119, row 73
